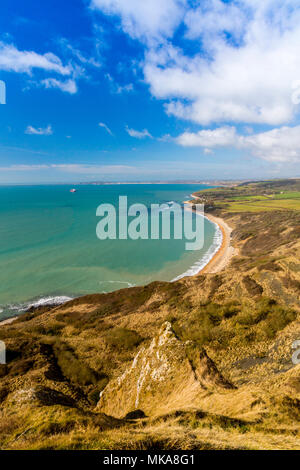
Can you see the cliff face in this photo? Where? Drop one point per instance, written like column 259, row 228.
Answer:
column 162, row 378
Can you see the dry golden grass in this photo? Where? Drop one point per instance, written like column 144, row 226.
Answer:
column 246, row 318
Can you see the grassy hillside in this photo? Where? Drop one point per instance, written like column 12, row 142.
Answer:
column 219, row 376
column 258, row 197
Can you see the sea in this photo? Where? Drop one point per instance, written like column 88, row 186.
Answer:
column 49, row 251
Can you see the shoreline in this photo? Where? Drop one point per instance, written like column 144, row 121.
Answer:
column 225, row 252
column 43, row 302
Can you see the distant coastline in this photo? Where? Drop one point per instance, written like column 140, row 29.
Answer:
column 210, row 182
column 224, row 183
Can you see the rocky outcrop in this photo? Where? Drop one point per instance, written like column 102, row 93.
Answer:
column 162, row 377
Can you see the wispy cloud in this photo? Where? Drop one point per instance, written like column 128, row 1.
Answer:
column 68, row 86
column 15, row 60
column 93, row 169
column 24, row 167
column 102, row 124
column 74, row 168
column 77, row 54
column 116, row 87
column 39, row 131
column 124, row 88
column 138, row 134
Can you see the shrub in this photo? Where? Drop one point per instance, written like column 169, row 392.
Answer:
column 277, row 320
column 73, row 369
column 51, row 329
column 268, row 318
column 121, row 338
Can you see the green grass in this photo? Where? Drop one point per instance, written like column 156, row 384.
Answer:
column 266, row 205
column 288, row 195
column 259, row 197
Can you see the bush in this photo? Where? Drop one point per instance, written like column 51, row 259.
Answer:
column 73, row 369
column 52, row 329
column 277, row 320
column 268, row 317
column 121, row 338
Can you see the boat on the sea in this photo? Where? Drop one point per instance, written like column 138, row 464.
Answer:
column 72, row 190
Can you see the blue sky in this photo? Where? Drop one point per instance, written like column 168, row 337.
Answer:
column 124, row 90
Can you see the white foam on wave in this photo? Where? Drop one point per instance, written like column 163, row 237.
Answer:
column 129, row 284
column 58, row 300
column 44, row 301
column 205, row 259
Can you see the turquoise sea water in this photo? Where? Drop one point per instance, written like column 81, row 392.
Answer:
column 49, row 248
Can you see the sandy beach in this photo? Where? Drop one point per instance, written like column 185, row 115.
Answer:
column 226, row 251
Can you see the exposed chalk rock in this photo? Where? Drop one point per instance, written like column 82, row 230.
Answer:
column 162, row 376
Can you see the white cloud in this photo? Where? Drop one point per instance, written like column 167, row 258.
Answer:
column 102, row 124
column 222, row 137
column 214, row 17
column 68, row 86
column 245, row 62
column 124, row 88
column 77, row 54
column 39, row 131
column 147, row 20
column 278, row 145
column 138, row 134
column 165, row 138
column 24, row 167
column 14, row 60
column 74, row 168
column 93, row 169
column 116, row 87
column 250, row 84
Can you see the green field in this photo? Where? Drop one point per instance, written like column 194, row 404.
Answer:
column 263, row 205
column 256, row 197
